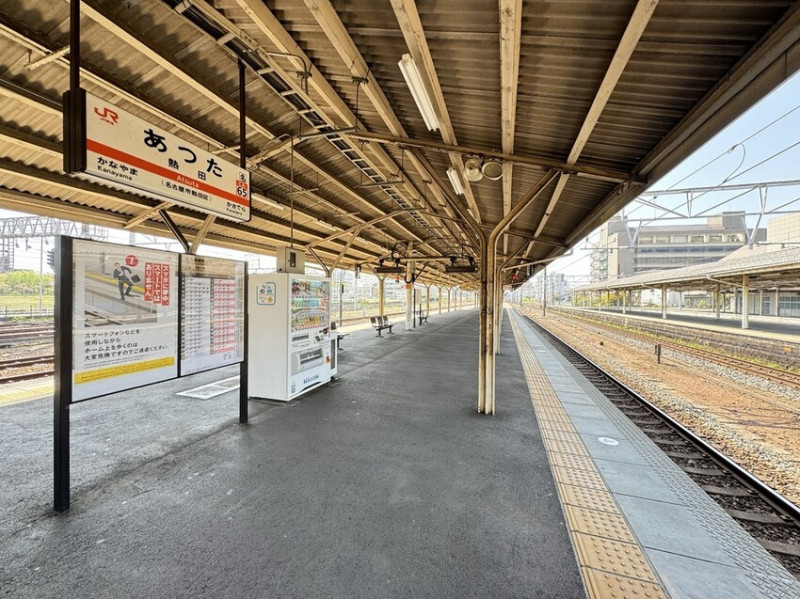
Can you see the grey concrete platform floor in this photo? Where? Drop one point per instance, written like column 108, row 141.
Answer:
column 386, row 484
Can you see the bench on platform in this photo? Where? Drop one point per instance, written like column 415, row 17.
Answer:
column 422, row 316
column 381, row 323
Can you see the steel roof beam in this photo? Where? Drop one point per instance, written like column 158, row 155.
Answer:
column 633, row 32
column 510, row 42
column 543, row 164
column 263, row 18
column 338, row 36
column 407, row 16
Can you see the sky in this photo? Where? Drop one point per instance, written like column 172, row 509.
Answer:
column 763, row 145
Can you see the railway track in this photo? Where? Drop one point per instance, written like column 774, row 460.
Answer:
column 12, row 334
column 776, row 375
column 24, row 363
column 769, row 517
column 15, row 335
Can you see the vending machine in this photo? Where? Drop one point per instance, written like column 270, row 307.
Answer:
column 289, row 349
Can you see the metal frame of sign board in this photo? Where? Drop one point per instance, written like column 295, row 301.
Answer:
column 64, row 377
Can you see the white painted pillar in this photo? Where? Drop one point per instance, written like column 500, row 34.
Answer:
column 409, row 296
column 381, row 295
column 439, row 298
column 427, row 300
column 745, row 302
column 624, row 301
column 664, row 302
column 717, row 301
column 448, row 299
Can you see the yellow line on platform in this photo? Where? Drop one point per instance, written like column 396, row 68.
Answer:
column 26, row 390
column 611, row 561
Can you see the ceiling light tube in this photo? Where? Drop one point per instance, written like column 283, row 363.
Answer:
column 414, row 81
column 325, row 224
column 455, row 181
column 262, row 198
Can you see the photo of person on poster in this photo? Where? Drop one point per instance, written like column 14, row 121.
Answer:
column 124, row 276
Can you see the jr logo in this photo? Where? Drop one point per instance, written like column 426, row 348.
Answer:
column 108, row 115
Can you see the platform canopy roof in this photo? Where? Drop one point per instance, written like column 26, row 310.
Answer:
column 765, row 268
column 578, row 104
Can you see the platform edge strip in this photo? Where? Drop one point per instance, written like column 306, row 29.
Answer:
column 611, row 561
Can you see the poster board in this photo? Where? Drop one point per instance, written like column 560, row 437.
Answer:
column 212, row 313
column 124, row 318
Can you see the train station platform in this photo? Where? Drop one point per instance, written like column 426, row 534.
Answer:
column 764, row 327
column 385, row 483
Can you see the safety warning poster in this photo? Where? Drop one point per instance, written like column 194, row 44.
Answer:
column 125, row 318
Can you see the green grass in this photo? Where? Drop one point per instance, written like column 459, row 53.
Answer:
column 23, row 307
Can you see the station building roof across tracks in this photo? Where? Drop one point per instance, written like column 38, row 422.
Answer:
column 764, row 267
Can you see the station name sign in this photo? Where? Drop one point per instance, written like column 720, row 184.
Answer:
column 130, row 153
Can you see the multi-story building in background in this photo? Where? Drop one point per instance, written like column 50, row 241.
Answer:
column 784, row 230
column 623, row 251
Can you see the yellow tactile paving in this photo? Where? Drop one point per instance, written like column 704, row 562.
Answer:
column 601, row 524
column 621, row 559
column 570, row 460
column 593, row 499
column 26, row 390
column 580, row 478
column 553, row 433
column 603, row 585
column 612, row 563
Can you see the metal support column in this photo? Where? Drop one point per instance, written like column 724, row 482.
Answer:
column 486, row 371
column 62, row 379
column 439, row 299
column 745, row 301
column 664, row 302
column 498, row 312
column 717, row 301
column 427, row 300
column 409, row 294
column 381, row 295
column 244, row 392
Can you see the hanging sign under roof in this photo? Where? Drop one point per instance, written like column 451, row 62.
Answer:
column 129, row 152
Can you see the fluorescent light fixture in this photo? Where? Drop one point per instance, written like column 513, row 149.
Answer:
column 460, row 268
column 414, row 81
column 455, row 181
column 325, row 224
column 262, row 198
column 389, row 270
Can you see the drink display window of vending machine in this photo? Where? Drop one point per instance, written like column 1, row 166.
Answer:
column 289, row 341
